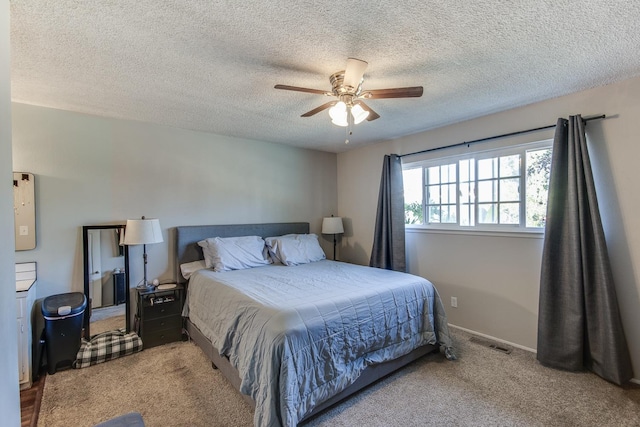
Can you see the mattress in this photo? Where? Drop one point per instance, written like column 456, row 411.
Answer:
column 299, row 335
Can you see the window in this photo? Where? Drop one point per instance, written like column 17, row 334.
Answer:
column 503, row 189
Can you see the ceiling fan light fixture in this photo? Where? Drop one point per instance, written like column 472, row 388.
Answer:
column 348, row 109
column 340, row 121
column 338, row 114
column 359, row 114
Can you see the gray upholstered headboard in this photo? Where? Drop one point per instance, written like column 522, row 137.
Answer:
column 188, row 236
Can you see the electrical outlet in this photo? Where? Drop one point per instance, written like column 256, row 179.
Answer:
column 454, row 302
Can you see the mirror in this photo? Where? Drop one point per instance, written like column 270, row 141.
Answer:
column 24, row 210
column 106, row 279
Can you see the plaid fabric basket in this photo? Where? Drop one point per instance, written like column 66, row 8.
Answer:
column 106, row 346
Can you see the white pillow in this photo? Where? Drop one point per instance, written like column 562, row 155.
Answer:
column 189, row 268
column 294, row 249
column 233, row 253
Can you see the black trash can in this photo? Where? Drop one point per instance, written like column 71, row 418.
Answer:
column 63, row 315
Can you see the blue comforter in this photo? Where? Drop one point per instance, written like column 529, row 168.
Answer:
column 299, row 335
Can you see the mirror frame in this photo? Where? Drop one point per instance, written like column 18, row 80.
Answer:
column 85, row 262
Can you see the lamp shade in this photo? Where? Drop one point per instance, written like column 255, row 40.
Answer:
column 338, row 114
column 358, row 113
column 332, row 225
column 142, row 232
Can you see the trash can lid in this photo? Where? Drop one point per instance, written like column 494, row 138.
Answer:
column 64, row 304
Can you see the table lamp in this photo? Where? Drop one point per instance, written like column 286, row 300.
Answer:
column 143, row 232
column 332, row 225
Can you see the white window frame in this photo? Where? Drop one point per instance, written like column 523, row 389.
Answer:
column 518, row 229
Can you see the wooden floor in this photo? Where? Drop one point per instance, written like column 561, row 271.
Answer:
column 30, row 400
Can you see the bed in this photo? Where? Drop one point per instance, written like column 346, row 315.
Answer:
column 290, row 341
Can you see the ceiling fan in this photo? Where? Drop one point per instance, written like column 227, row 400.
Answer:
column 347, row 89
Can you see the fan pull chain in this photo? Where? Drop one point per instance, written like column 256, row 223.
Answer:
column 348, row 128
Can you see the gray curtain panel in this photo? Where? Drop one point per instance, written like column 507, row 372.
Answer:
column 579, row 324
column 388, row 240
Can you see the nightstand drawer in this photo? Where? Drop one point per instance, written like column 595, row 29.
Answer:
column 162, row 310
column 170, row 322
column 162, row 336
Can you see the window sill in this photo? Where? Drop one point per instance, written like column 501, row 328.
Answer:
column 522, row 234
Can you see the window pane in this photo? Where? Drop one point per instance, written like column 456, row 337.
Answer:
column 448, row 193
column 413, row 190
column 487, row 168
column 433, row 175
column 412, row 180
column 510, row 190
column 537, row 186
column 448, row 214
column 509, row 213
column 487, row 213
column 444, row 194
column 444, row 174
column 413, row 213
column 434, row 214
column 452, row 193
column 452, row 173
column 487, row 191
column 464, row 170
column 434, row 195
column 510, row 166
column 467, row 215
column 466, row 192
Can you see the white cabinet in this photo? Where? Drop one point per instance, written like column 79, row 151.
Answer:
column 22, row 355
column 25, row 297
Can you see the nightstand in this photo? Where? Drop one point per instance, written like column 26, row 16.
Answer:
column 159, row 315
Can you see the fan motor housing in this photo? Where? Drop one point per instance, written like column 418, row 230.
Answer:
column 339, row 89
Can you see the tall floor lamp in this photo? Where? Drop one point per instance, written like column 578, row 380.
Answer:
column 143, row 232
column 332, row 225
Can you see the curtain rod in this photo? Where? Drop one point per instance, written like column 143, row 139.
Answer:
column 489, row 138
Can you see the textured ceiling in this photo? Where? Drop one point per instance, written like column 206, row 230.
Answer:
column 211, row 66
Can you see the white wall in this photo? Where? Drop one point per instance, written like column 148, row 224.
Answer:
column 92, row 170
column 9, row 388
column 495, row 278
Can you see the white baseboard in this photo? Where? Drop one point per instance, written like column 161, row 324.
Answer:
column 633, row 380
column 522, row 347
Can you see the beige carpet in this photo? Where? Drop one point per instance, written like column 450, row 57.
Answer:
column 174, row 385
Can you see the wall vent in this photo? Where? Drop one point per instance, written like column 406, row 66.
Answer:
column 491, row 344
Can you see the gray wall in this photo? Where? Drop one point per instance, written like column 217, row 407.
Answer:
column 9, row 388
column 92, row 170
column 496, row 277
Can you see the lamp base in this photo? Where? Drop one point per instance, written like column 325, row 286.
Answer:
column 146, row 286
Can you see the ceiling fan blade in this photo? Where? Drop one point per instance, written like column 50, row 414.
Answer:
column 320, row 108
column 372, row 114
column 303, row 89
column 354, row 72
column 400, row 92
